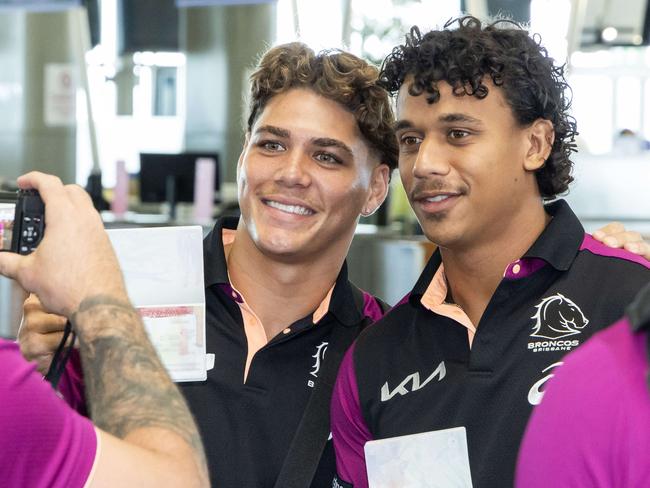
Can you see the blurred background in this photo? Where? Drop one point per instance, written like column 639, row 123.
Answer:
column 125, row 96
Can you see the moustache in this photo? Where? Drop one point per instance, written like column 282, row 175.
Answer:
column 424, row 189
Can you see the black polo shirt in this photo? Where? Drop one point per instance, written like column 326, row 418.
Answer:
column 414, row 370
column 247, row 428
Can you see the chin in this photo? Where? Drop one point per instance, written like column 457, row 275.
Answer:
column 279, row 246
column 447, row 240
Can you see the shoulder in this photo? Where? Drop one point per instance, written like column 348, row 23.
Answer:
column 373, row 307
column 582, row 426
column 592, row 247
column 36, row 425
column 388, row 330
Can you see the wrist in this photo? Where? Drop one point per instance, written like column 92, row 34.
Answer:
column 97, row 311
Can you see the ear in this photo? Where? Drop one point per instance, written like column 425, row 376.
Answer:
column 540, row 138
column 378, row 189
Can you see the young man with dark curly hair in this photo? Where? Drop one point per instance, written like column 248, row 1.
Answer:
column 484, row 140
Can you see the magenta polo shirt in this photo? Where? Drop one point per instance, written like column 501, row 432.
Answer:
column 43, row 442
column 592, row 428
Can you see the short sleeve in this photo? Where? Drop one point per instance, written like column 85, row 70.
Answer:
column 349, row 430
column 71, row 385
column 43, row 442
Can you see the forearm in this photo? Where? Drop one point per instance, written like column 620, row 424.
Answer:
column 128, row 392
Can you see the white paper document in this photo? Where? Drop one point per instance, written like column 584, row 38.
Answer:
column 163, row 270
column 437, row 459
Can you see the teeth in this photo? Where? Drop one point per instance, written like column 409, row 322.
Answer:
column 438, row 198
column 294, row 209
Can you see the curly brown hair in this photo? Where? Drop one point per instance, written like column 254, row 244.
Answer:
column 333, row 74
column 532, row 84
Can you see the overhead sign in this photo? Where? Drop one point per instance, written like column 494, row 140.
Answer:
column 207, row 3
column 39, row 5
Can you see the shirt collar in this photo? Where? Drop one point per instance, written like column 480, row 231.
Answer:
column 214, row 259
column 557, row 245
column 342, row 304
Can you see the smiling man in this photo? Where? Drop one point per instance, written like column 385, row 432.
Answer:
column 281, row 312
column 317, row 155
column 484, row 139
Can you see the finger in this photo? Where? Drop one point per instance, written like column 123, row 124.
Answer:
column 641, row 248
column 628, row 236
column 613, row 242
column 10, row 264
column 609, row 229
column 43, row 363
column 33, row 303
column 78, row 195
column 49, row 187
column 36, row 345
column 40, row 322
column 39, row 181
column 619, row 239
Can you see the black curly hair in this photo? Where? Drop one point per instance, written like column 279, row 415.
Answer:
column 463, row 56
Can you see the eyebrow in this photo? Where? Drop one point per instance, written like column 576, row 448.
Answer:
column 402, row 124
column 276, row 131
column 459, row 117
column 328, row 142
column 449, row 118
column 317, row 141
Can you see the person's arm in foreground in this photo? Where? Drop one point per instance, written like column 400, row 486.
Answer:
column 592, row 424
column 147, row 436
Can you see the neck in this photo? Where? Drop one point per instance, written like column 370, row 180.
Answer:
column 280, row 291
column 474, row 272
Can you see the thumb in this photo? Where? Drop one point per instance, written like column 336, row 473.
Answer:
column 10, row 266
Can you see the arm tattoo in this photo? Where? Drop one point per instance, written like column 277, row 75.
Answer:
column 127, row 387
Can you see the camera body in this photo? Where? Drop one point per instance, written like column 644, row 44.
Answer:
column 29, row 222
column 22, row 234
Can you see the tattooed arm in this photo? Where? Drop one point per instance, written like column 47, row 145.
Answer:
column 128, row 391
column 145, row 433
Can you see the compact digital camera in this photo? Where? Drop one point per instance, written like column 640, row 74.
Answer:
column 22, row 221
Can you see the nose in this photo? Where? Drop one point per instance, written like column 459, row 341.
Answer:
column 431, row 160
column 294, row 169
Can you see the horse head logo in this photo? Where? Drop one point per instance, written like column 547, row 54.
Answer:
column 558, row 317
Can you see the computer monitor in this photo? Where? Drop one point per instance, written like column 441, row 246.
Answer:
column 158, row 172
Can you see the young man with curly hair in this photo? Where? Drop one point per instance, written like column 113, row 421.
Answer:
column 318, row 154
column 280, row 310
column 484, row 140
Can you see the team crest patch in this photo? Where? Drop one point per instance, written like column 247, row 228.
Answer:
column 557, row 317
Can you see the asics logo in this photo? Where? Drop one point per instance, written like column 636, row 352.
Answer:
column 535, row 394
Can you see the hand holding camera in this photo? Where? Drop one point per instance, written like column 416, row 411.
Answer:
column 74, row 259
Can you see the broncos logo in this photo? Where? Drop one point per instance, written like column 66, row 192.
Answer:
column 557, row 317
